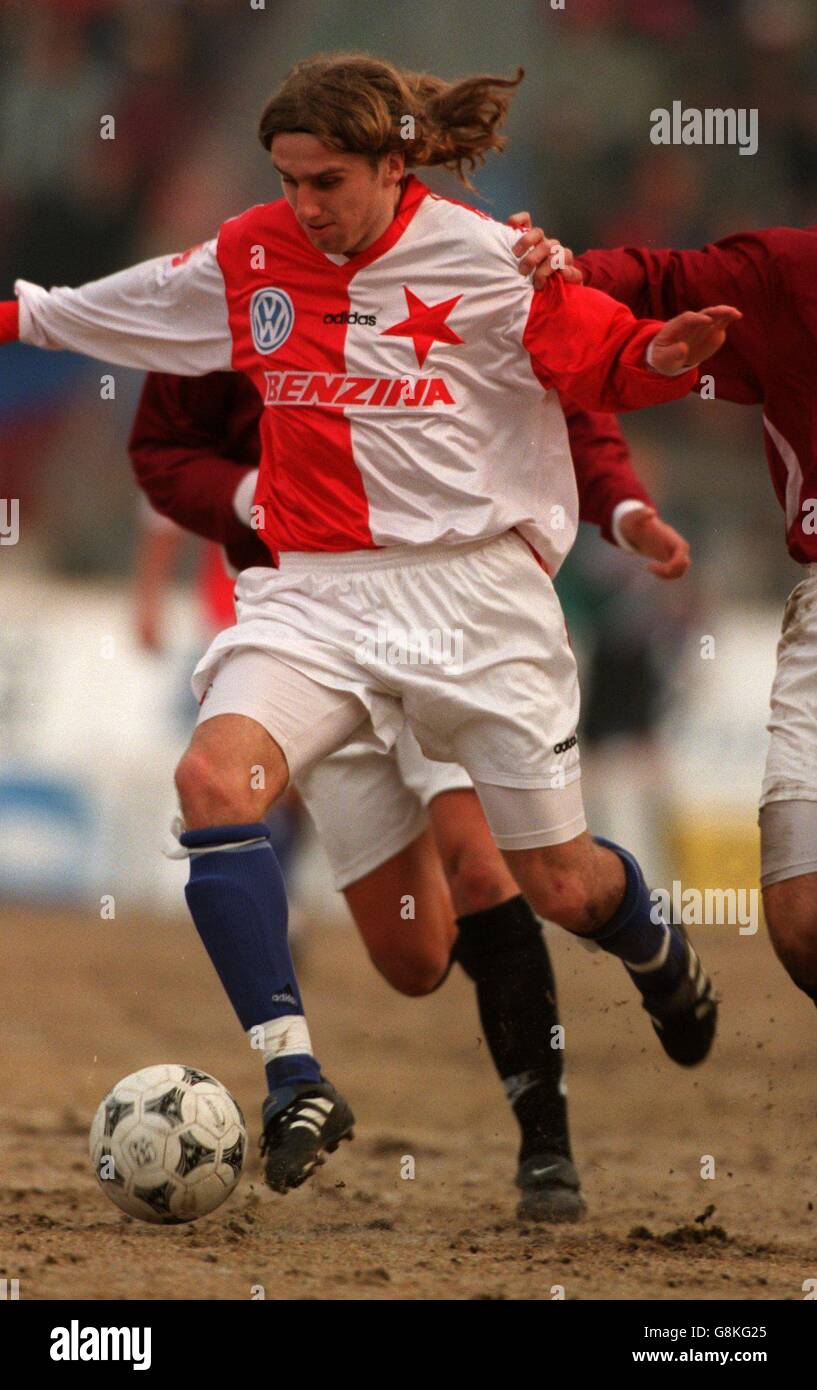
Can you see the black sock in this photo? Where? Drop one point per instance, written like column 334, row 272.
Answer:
column 503, row 951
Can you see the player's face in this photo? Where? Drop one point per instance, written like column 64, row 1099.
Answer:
column 342, row 202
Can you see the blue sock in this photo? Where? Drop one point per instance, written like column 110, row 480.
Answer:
column 238, row 901
column 651, row 949
column 283, row 833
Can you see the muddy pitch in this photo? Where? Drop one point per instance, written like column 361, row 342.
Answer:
column 85, row 1002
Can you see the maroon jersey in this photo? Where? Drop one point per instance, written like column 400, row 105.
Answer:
column 194, row 438
column 769, row 357
column 192, row 441
column 604, row 471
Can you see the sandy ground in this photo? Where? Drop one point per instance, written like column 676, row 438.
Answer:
column 84, row 1002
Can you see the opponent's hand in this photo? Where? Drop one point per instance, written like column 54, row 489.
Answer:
column 657, row 540
column 541, row 256
column 690, row 338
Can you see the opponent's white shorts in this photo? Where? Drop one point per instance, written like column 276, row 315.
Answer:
column 791, row 762
column 466, row 644
column 367, row 805
column 788, row 813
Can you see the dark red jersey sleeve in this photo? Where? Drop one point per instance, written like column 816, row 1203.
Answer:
column 592, row 350
column 746, row 270
column 605, row 474
column 192, row 441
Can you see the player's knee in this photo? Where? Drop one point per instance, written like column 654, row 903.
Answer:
column 476, row 882
column 209, row 794
column 791, row 916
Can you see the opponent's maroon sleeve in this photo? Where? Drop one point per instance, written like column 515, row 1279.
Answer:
column 604, row 471
column 9, row 320
column 741, row 270
column 193, row 440
column 593, row 351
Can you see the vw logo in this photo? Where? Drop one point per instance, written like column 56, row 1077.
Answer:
column 271, row 318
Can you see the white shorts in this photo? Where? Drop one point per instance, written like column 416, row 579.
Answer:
column 367, row 806
column 466, row 644
column 791, row 762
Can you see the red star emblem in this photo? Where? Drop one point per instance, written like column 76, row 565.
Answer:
column 425, row 325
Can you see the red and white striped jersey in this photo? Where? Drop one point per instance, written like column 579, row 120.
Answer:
column 194, row 440
column 411, row 391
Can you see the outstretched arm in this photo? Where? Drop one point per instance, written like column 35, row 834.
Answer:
column 167, row 314
column 594, row 352
column 745, row 269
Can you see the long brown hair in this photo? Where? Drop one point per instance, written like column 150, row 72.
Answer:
column 366, row 105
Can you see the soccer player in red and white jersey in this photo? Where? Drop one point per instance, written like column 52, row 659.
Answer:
column 415, row 479
column 418, row 834
column 770, row 360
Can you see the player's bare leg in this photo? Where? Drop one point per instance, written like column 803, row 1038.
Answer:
column 788, row 834
column 227, row 780
column 412, row 952
column 579, row 884
column 597, row 891
column 791, row 916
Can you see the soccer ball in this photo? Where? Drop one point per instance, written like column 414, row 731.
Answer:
column 168, row 1144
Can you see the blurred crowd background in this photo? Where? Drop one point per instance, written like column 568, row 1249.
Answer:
column 185, row 81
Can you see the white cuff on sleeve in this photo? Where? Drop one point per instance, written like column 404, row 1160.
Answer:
column 244, row 495
column 630, row 504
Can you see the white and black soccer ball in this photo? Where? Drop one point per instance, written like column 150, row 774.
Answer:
column 168, row 1144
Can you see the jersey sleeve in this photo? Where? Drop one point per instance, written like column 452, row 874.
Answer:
column 593, row 351
column 167, row 314
column 9, row 321
column 605, row 475
column 742, row 270
column 177, row 449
